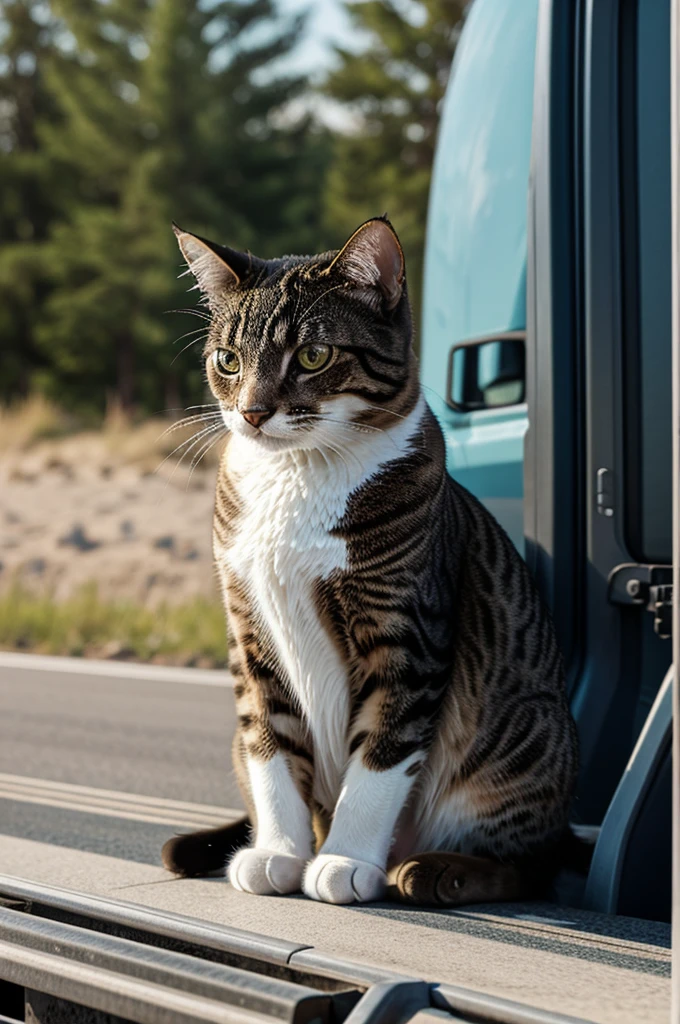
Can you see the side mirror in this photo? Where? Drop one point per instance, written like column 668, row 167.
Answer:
column 487, row 373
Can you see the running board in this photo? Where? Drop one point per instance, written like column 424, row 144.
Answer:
column 67, row 957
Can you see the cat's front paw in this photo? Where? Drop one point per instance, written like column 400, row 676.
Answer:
column 334, row 879
column 266, row 872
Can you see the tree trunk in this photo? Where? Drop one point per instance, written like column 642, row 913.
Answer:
column 125, row 358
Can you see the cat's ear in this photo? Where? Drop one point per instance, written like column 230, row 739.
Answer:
column 373, row 261
column 216, row 268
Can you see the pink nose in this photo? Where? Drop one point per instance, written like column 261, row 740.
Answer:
column 256, row 417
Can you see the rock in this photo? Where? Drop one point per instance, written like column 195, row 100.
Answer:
column 77, row 538
column 166, row 543
column 22, row 476
column 59, row 466
column 127, row 529
column 115, row 651
column 35, row 566
column 186, row 551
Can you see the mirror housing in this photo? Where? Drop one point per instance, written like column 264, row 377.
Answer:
column 487, row 373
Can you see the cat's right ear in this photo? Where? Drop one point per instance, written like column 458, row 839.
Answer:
column 217, row 268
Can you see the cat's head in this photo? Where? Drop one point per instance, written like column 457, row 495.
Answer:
column 308, row 351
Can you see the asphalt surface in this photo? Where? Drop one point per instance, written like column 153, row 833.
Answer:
column 105, row 731
column 106, row 762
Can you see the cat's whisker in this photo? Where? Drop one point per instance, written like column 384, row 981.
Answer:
column 193, row 311
column 195, row 462
column 196, row 440
column 193, row 439
column 353, row 425
column 422, row 449
column 188, row 334
column 195, row 341
column 341, row 450
column 209, row 405
column 322, row 418
column 390, row 412
column 339, row 454
column 220, row 425
column 187, row 420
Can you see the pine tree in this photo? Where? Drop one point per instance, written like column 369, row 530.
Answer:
column 392, row 88
column 27, row 202
column 163, row 118
column 218, row 162
column 84, row 329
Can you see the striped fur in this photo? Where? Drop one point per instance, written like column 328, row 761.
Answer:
column 403, row 727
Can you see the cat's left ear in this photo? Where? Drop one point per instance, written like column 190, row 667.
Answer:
column 217, row 268
column 373, row 261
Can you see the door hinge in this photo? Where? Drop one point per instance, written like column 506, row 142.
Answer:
column 650, row 586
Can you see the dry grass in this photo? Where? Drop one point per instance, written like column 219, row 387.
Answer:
column 86, row 625
column 147, row 443
column 38, row 425
column 23, row 424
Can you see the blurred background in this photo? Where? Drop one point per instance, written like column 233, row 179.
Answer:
column 271, row 126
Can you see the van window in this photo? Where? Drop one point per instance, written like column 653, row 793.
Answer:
column 475, row 277
column 646, row 265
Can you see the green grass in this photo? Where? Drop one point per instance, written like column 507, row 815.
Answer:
column 85, row 625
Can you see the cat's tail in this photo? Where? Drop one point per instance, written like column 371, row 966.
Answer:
column 207, row 852
column 446, row 879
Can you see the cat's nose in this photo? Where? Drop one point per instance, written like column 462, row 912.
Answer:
column 257, row 415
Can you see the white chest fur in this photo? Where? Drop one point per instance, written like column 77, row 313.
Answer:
column 291, row 502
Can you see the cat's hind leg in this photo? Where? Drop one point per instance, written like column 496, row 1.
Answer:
column 443, row 879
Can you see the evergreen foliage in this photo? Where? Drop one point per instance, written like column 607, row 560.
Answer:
column 139, row 113
column 393, row 85
column 27, row 202
column 119, row 117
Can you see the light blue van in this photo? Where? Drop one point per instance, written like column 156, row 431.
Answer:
column 546, row 356
column 476, row 259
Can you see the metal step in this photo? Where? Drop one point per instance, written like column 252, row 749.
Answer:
column 76, row 958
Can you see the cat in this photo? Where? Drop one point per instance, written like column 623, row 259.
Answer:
column 403, row 729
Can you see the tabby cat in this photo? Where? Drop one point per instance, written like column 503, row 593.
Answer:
column 402, row 722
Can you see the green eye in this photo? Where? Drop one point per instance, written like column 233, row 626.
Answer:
column 226, row 361
column 314, row 357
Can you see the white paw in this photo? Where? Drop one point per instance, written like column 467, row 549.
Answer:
column 264, row 872
column 334, row 879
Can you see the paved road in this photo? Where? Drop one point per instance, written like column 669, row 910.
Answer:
column 112, row 728
column 107, row 763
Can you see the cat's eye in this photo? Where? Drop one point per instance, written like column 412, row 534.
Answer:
column 226, row 361
column 314, row 357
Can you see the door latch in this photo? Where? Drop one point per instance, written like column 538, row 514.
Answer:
column 650, row 586
column 605, row 493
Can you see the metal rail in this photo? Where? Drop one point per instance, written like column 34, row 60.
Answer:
column 91, row 960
